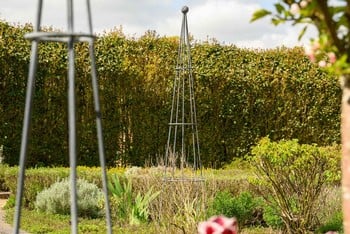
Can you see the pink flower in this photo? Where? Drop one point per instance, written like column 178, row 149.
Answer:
column 218, row 225
column 332, row 57
column 312, row 58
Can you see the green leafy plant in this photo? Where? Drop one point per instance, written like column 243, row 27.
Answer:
column 244, row 207
column 56, row 199
column 291, row 176
column 11, row 202
column 125, row 205
column 272, row 216
column 222, row 204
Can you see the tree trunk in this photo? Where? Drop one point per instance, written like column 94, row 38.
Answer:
column 345, row 131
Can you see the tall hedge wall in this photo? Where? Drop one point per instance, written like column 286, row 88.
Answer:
column 242, row 95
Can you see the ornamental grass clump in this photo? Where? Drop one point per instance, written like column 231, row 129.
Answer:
column 56, row 199
column 127, row 206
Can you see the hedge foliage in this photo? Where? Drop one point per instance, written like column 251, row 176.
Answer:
column 241, row 95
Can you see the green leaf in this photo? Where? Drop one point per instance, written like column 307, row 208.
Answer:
column 259, row 14
column 276, row 21
column 279, row 8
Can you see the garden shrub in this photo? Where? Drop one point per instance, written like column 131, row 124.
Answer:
column 292, row 176
column 56, row 199
column 222, row 205
column 246, row 208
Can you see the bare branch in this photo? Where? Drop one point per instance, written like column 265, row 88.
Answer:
column 331, row 27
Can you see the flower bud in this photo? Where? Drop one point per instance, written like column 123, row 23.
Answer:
column 294, row 9
column 304, row 3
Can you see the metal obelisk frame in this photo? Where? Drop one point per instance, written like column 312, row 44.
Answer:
column 69, row 37
column 182, row 149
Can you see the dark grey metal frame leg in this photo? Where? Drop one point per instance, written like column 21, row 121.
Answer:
column 72, row 123
column 25, row 134
column 101, row 151
column 26, row 122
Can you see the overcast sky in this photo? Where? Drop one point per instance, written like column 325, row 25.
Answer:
column 225, row 20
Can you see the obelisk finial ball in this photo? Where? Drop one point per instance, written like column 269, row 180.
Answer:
column 184, row 9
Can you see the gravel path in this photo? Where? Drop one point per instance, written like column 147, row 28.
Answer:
column 5, row 228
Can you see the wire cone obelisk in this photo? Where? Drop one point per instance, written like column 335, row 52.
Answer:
column 182, row 149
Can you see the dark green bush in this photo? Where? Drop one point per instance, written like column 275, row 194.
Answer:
column 222, row 204
column 246, row 208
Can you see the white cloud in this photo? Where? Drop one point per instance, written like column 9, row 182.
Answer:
column 227, row 20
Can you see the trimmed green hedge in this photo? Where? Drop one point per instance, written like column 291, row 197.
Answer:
column 241, row 95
